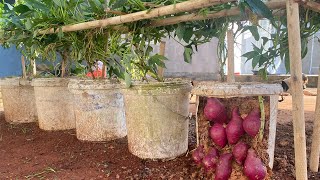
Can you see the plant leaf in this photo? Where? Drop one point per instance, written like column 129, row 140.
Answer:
column 180, row 31
column 287, row 61
column 249, row 55
column 37, row 5
column 254, row 32
column 258, row 7
column 187, row 35
column 188, row 54
column 58, row 3
column 28, row 24
column 265, row 40
column 127, row 79
column 21, row 8
column 255, row 61
column 118, row 4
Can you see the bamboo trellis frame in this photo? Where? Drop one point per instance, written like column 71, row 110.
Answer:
column 196, row 17
column 274, row 4
column 294, row 45
column 157, row 12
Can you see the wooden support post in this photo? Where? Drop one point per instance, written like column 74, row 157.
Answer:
column 161, row 52
column 230, row 40
column 23, row 65
column 315, row 147
column 297, row 91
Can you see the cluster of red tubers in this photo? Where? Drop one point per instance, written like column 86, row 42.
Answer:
column 222, row 133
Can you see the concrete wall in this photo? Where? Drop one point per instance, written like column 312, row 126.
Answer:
column 10, row 62
column 311, row 63
column 204, row 65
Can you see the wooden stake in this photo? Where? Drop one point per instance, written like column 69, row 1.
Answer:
column 23, row 64
column 104, row 71
column 230, row 39
column 161, row 52
column 147, row 14
column 64, row 63
column 34, row 67
column 315, row 147
column 297, row 91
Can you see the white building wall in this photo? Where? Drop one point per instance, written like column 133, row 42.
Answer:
column 204, row 65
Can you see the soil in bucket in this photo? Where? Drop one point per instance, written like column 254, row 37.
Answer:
column 157, row 119
column 18, row 100
column 99, row 110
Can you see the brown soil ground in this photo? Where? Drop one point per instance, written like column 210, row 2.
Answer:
column 26, row 152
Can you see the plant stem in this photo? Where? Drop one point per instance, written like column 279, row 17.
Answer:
column 263, row 117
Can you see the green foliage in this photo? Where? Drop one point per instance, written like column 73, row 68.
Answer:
column 263, row 57
column 130, row 57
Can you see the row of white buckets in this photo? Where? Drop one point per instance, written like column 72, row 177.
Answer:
column 153, row 116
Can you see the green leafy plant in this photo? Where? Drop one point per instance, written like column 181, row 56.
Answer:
column 130, row 57
column 263, row 56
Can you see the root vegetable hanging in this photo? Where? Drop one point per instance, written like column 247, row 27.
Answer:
column 252, row 123
column 239, row 152
column 210, row 161
column 215, row 111
column 234, row 128
column 254, row 169
column 218, row 135
column 224, row 167
column 230, row 143
column 198, row 154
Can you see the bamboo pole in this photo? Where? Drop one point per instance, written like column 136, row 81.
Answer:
column 196, row 17
column 147, row 14
column 315, row 146
column 230, row 41
column 314, row 6
column 235, row 11
column 161, row 52
column 297, row 91
column 23, row 65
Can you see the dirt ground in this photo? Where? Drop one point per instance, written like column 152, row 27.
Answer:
column 26, row 152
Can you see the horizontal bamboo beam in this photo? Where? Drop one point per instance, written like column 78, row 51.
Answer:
column 147, row 14
column 314, row 6
column 279, row 4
